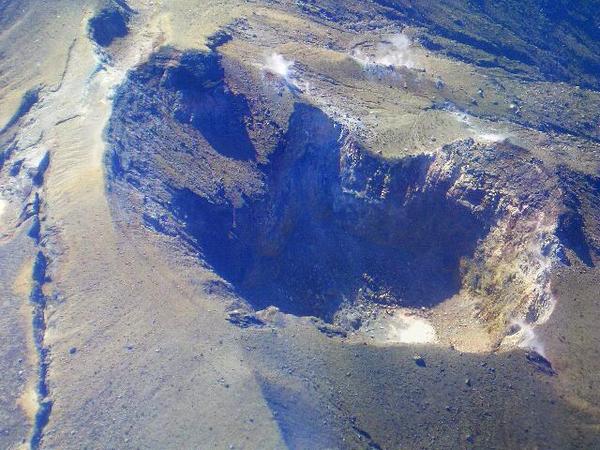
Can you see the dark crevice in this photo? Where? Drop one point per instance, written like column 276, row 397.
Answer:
column 38, row 301
column 110, row 23
column 540, row 363
column 366, row 437
column 39, row 277
column 38, row 179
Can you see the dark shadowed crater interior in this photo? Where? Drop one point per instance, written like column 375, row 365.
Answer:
column 318, row 222
column 110, row 23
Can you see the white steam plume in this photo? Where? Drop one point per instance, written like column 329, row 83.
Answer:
column 395, row 51
column 276, row 64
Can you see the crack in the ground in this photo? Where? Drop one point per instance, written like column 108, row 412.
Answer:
column 66, row 68
column 38, row 301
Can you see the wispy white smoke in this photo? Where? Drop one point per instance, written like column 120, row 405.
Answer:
column 276, row 64
column 395, row 51
column 491, row 137
column 527, row 338
column 479, row 132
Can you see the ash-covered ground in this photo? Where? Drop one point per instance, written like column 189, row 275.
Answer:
column 273, row 224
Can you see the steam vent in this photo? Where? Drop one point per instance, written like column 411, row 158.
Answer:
column 304, row 225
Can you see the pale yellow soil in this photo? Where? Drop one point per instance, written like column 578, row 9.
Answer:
column 114, row 295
